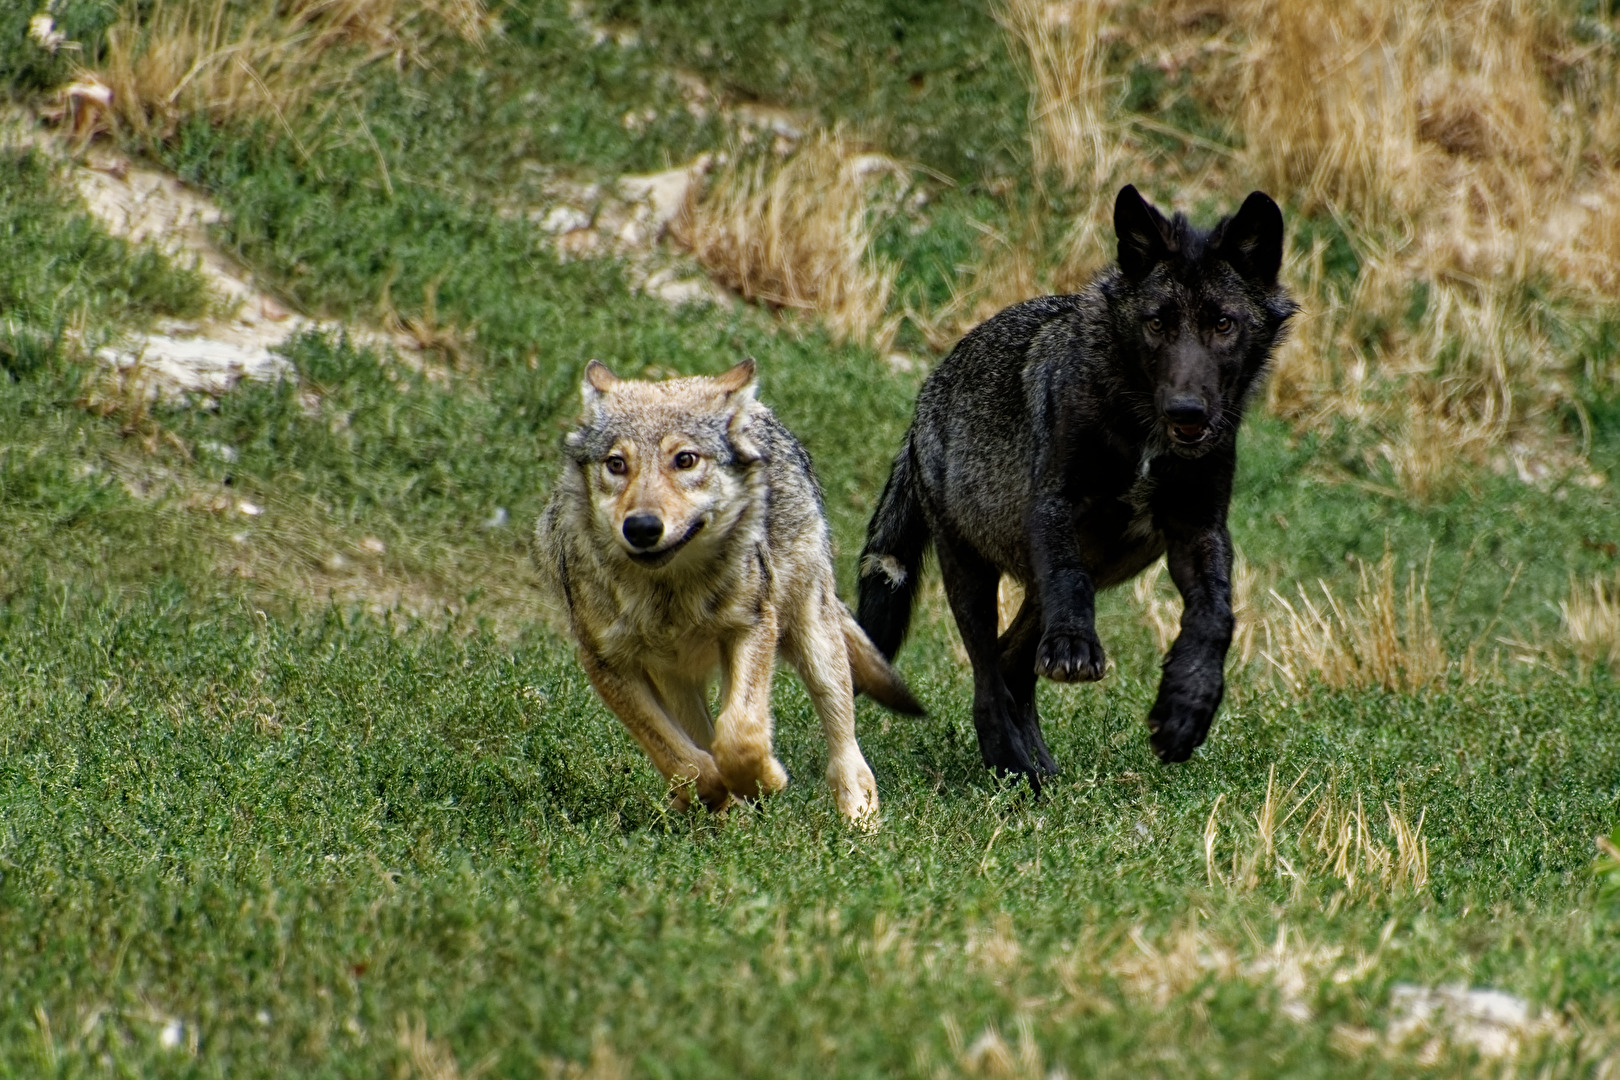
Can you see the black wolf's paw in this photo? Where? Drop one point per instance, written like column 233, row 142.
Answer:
column 1175, row 737
column 1070, row 656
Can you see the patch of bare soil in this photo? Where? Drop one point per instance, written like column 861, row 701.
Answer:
column 240, row 341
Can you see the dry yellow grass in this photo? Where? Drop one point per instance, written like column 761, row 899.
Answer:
column 796, row 233
column 1592, row 620
column 1465, row 148
column 1334, row 839
column 172, row 59
column 1384, row 638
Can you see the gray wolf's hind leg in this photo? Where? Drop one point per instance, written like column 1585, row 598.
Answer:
column 1017, row 664
column 970, row 585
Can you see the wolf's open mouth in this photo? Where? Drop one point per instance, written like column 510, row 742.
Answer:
column 1189, row 434
column 663, row 555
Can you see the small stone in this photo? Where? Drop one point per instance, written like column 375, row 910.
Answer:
column 565, row 219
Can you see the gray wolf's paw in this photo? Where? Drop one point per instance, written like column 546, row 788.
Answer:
column 1176, row 733
column 750, row 772
column 1072, row 655
column 855, row 789
column 701, row 782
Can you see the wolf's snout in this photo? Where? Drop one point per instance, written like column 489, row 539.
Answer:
column 643, row 530
column 1188, row 417
column 1184, row 411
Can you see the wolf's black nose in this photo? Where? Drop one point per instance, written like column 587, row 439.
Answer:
column 1186, row 411
column 643, row 530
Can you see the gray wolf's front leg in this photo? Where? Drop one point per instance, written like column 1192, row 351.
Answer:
column 1194, row 679
column 742, row 731
column 821, row 656
column 672, row 751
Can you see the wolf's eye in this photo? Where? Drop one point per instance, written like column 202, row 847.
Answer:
column 686, row 460
column 1223, row 325
column 1155, row 324
column 616, row 465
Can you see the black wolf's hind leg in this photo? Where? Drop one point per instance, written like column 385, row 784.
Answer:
column 970, row 585
column 1017, row 664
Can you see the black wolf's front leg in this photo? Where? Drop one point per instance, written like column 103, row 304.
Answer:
column 1069, row 650
column 1194, row 679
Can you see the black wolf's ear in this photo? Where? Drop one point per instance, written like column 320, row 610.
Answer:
column 1252, row 239
column 1144, row 235
column 598, row 381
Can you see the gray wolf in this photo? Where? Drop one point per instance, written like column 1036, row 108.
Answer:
column 686, row 538
column 1068, row 442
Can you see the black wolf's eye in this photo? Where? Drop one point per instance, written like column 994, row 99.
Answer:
column 1155, row 324
column 686, row 460
column 1223, row 325
column 616, row 465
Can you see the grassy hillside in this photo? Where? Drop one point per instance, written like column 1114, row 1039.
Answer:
column 295, row 777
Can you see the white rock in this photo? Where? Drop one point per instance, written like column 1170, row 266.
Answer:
column 565, row 219
column 767, row 118
column 212, row 355
column 175, row 366
column 1491, row 1021
column 663, row 194
column 678, row 291
column 42, row 28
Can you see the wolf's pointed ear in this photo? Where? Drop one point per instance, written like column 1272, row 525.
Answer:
column 598, row 381
column 739, row 386
column 739, row 378
column 1252, row 239
column 1143, row 233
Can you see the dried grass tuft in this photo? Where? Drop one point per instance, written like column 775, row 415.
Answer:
column 1332, row 840
column 172, row 59
column 1383, row 639
column 1591, row 618
column 990, row 1055
column 797, row 233
column 430, row 1059
column 1062, row 47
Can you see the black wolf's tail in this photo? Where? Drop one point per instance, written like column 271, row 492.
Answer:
column 896, row 540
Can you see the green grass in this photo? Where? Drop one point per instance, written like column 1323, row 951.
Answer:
column 281, row 806
column 64, row 275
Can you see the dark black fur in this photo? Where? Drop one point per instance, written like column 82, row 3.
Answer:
column 1070, row 441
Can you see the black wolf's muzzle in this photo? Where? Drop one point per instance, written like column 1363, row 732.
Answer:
column 1187, row 419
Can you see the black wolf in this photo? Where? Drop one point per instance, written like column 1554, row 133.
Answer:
column 1068, row 442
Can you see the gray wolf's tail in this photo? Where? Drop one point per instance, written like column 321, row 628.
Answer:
column 896, row 541
column 872, row 674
